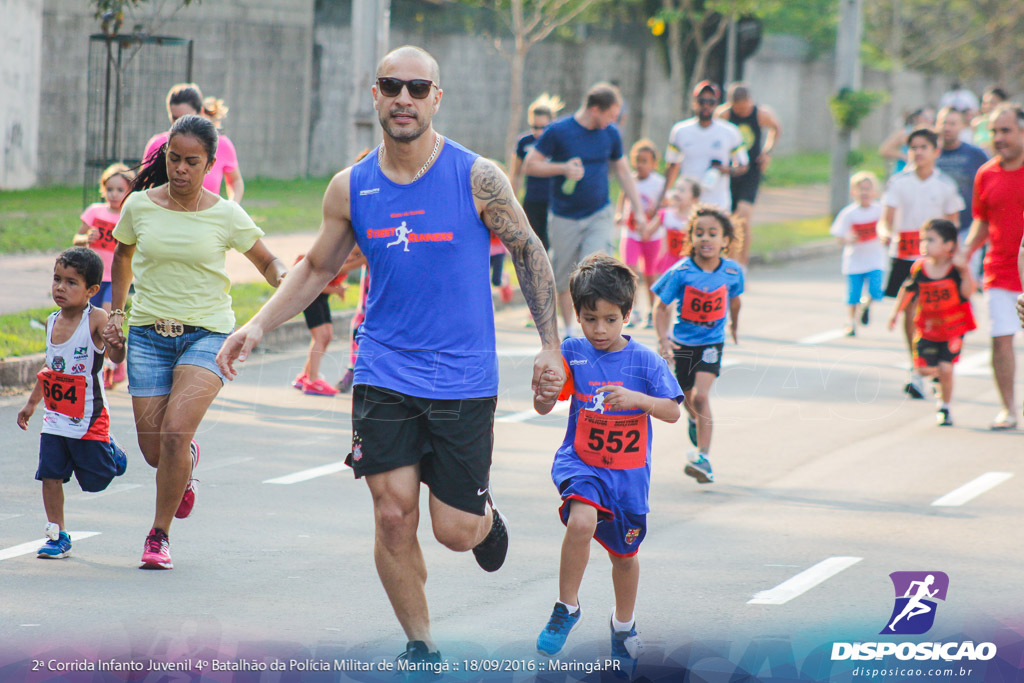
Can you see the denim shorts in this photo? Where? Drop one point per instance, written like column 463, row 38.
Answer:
column 152, row 358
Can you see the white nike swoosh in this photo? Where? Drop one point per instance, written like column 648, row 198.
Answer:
column 481, row 492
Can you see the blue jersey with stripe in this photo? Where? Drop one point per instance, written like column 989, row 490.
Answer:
column 635, row 367
column 429, row 328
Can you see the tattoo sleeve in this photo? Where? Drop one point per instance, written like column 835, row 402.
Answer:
column 503, row 216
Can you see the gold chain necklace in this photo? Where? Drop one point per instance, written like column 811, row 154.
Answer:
column 423, row 169
column 195, row 214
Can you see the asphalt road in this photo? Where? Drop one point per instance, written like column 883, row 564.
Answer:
column 827, row 479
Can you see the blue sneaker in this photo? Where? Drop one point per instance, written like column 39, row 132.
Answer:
column 626, row 647
column 692, row 430
column 55, row 549
column 120, row 458
column 560, row 625
column 700, row 469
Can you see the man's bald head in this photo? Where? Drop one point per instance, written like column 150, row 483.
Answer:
column 407, row 52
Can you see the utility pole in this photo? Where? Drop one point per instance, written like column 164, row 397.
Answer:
column 848, row 75
column 371, row 23
column 730, row 53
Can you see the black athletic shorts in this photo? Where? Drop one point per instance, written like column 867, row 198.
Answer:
column 319, row 312
column 928, row 353
column 693, row 359
column 899, row 270
column 744, row 188
column 451, row 440
column 537, row 214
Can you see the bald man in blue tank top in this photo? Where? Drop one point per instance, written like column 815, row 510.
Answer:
column 427, row 347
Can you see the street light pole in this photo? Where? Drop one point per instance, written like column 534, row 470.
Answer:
column 371, row 23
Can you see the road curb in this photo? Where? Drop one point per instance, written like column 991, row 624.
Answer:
column 19, row 373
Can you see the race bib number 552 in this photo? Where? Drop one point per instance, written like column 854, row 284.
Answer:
column 617, row 442
column 64, row 394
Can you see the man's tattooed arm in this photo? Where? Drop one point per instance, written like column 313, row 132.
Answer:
column 502, row 214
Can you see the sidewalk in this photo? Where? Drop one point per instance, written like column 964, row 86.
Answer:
column 25, row 280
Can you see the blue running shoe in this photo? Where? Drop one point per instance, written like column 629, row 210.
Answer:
column 626, row 647
column 560, row 625
column 692, row 430
column 700, row 469
column 120, row 458
column 55, row 549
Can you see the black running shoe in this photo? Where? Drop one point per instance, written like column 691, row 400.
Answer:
column 490, row 553
column 911, row 390
column 692, row 431
column 865, row 315
column 943, row 418
column 418, row 663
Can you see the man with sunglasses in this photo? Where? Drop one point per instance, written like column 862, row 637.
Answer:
column 578, row 152
column 426, row 378
column 706, row 148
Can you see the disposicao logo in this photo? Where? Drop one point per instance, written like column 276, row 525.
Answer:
column 913, row 613
column 916, row 595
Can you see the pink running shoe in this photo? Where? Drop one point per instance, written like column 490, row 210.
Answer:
column 318, row 388
column 299, row 380
column 156, row 553
column 188, row 499
column 506, row 292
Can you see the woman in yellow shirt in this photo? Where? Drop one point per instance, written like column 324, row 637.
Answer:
column 173, row 236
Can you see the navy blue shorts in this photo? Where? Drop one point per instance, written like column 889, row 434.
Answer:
column 618, row 531
column 94, row 463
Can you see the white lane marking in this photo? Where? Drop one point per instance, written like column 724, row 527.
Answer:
column 33, row 546
column 306, row 475
column 110, row 490
column 822, row 337
column 518, row 352
column 223, row 463
column 972, row 489
column 524, row 415
column 804, row 581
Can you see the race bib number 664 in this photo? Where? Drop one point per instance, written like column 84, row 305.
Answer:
column 64, row 394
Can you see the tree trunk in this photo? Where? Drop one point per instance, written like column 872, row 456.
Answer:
column 517, row 65
column 677, row 70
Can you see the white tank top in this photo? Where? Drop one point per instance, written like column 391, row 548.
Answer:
column 76, row 405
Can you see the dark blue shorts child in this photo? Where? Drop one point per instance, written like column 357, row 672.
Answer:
column 618, row 531
column 94, row 463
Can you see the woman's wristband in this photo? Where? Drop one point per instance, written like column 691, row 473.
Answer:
column 117, row 311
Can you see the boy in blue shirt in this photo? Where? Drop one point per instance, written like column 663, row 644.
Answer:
column 706, row 287
column 603, row 467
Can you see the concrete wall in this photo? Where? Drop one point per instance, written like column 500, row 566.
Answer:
column 254, row 54
column 21, row 26
column 284, row 71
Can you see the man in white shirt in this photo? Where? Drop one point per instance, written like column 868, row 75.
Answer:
column 708, row 149
column 913, row 197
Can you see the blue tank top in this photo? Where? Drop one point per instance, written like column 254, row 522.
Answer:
column 429, row 328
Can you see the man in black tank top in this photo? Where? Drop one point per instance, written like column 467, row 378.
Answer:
column 760, row 130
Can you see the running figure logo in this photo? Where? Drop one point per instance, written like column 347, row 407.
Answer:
column 402, row 232
column 598, row 403
column 916, row 592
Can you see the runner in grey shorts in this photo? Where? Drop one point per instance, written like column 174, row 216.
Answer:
column 573, row 239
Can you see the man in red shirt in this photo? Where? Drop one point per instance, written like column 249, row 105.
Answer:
column 999, row 220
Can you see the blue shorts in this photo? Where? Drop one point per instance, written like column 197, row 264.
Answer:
column 103, row 296
column 152, row 358
column 94, row 463
column 856, row 286
column 618, row 531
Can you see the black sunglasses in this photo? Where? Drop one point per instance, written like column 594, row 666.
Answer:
column 706, row 100
column 391, row 87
